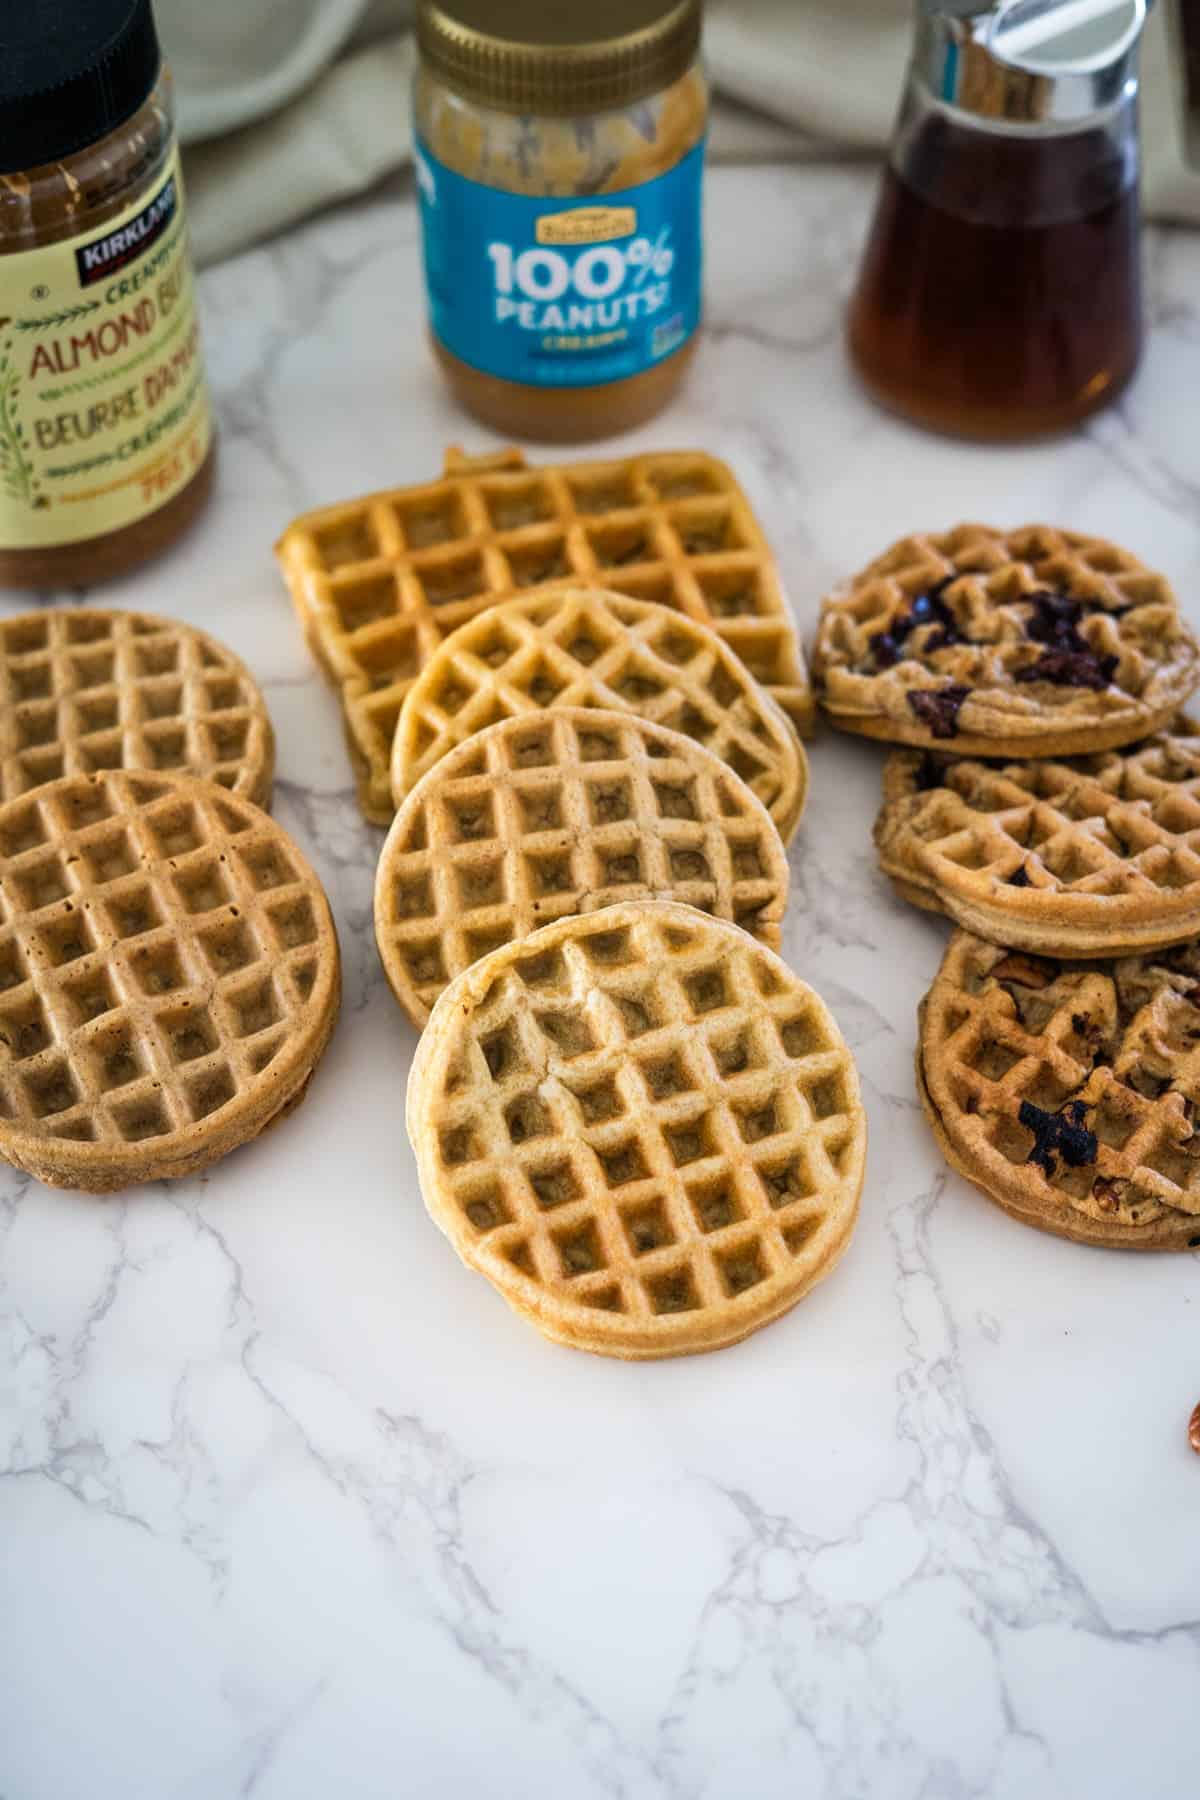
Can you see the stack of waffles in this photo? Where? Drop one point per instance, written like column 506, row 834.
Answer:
column 380, row 583
column 168, row 964
column 1046, row 797
column 572, row 694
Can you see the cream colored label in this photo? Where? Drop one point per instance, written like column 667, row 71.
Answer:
column 104, row 411
column 587, row 225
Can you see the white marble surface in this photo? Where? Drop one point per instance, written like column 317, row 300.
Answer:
column 292, row 1507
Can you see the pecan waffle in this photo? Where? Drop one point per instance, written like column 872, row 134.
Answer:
column 641, row 1127
column 1099, row 856
column 377, row 583
column 585, row 647
column 565, row 812
column 1067, row 1091
column 82, row 689
column 1033, row 642
column 168, row 977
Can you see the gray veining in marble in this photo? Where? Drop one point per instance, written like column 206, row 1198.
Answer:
column 292, row 1507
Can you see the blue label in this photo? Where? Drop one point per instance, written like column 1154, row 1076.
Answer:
column 562, row 293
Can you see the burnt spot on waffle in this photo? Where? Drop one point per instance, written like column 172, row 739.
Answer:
column 1071, row 668
column 1069, row 660
column 1054, row 620
column 1059, row 1134
column 929, row 608
column 927, row 773
column 938, row 708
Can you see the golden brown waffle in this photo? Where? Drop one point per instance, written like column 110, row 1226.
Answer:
column 565, row 812
column 1098, row 856
column 379, row 582
column 585, row 647
column 1034, row 642
column 1067, row 1091
column 168, row 977
column 641, row 1127
column 82, row 689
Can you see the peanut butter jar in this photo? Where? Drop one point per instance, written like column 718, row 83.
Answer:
column 560, row 157
column 106, row 449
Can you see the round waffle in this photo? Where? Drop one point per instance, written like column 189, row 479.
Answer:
column 82, row 689
column 1098, row 856
column 587, row 647
column 168, row 977
column 1067, row 1091
column 565, row 812
column 1033, row 642
column 641, row 1127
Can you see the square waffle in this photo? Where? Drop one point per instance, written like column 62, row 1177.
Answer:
column 378, row 583
column 641, row 1127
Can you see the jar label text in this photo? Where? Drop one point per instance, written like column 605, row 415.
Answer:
column 104, row 412
column 556, row 292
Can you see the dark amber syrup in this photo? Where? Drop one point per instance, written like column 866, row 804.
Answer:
column 1000, row 294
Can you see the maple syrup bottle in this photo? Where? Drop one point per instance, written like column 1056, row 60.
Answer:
column 1000, row 291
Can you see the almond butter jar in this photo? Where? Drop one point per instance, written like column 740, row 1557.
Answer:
column 560, row 155
column 106, row 449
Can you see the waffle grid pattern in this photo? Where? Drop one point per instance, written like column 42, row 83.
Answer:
column 1113, row 838
column 161, row 946
column 588, row 648
column 644, row 1119
column 1124, row 1039
column 380, row 583
column 1129, row 614
column 84, row 690
column 539, row 818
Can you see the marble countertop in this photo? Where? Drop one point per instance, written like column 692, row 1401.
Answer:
column 291, row 1505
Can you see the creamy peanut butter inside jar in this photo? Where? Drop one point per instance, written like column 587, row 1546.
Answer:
column 106, row 449
column 560, row 156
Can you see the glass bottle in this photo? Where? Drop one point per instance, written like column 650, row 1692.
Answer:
column 1000, row 291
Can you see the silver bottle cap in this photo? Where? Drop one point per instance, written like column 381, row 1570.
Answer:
column 1030, row 62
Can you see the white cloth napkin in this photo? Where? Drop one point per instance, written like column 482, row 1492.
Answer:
column 287, row 105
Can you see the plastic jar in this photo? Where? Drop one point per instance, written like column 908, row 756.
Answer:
column 105, row 434
column 560, row 156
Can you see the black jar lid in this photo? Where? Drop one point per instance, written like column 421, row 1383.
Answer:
column 71, row 71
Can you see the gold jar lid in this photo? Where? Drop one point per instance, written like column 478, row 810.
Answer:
column 558, row 56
